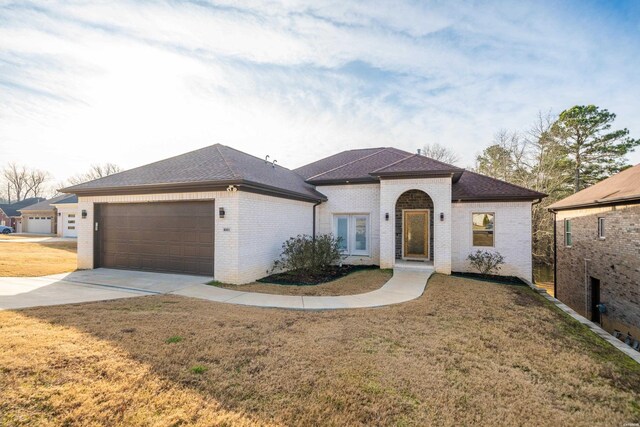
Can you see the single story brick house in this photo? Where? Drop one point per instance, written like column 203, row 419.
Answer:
column 597, row 247
column 10, row 212
column 223, row 213
column 44, row 216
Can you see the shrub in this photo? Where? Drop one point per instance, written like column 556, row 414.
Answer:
column 303, row 253
column 486, row 262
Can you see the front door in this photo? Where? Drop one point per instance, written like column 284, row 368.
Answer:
column 416, row 233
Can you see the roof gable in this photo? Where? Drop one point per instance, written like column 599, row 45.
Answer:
column 623, row 186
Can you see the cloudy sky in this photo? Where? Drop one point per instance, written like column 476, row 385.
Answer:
column 134, row 82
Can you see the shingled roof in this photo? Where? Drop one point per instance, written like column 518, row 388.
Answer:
column 13, row 208
column 622, row 187
column 206, row 168
column 46, row 205
column 373, row 164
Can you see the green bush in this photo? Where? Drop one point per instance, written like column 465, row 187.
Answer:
column 303, row 253
column 486, row 262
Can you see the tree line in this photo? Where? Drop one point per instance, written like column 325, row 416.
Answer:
column 19, row 182
column 557, row 155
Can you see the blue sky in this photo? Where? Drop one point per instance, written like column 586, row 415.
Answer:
column 132, row 82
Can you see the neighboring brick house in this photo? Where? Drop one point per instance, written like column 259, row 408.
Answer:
column 597, row 245
column 220, row 212
column 10, row 212
column 50, row 216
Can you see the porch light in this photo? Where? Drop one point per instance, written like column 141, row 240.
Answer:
column 441, row 216
column 386, row 216
column 84, row 213
column 221, row 210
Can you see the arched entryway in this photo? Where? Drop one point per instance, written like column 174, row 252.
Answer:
column 414, row 226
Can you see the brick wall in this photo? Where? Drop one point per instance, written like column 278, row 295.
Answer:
column 413, row 199
column 439, row 190
column 265, row 223
column 614, row 260
column 512, row 235
column 352, row 199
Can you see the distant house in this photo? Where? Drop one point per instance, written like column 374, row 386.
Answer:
column 10, row 212
column 51, row 216
column 597, row 245
column 223, row 213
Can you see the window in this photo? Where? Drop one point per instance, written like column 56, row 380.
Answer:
column 601, row 228
column 567, row 232
column 72, row 228
column 72, row 215
column 71, row 221
column 483, row 229
column 353, row 231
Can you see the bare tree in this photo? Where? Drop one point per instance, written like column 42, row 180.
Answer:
column 34, row 184
column 440, row 153
column 16, row 177
column 96, row 171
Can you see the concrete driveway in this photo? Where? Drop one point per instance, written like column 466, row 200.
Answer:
column 89, row 285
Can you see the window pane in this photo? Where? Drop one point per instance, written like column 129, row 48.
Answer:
column 483, row 228
column 342, row 231
column 361, row 233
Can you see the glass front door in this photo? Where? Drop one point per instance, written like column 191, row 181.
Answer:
column 416, row 234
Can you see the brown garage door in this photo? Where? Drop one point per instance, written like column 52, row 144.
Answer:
column 175, row 237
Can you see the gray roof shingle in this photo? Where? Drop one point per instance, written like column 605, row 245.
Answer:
column 216, row 164
column 13, row 208
column 45, row 205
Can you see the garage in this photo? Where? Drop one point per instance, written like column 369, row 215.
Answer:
column 172, row 237
column 39, row 224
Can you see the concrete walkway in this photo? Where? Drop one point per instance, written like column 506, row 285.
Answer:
column 87, row 286
column 105, row 284
column 405, row 285
column 24, row 238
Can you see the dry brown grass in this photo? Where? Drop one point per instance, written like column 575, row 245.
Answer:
column 355, row 283
column 37, row 259
column 465, row 353
column 22, row 236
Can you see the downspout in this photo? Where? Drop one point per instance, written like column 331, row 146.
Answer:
column 314, row 220
column 313, row 237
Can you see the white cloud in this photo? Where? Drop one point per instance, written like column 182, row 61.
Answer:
column 130, row 82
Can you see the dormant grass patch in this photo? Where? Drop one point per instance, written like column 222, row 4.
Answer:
column 465, row 353
column 37, row 259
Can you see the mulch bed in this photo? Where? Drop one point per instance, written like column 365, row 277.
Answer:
column 298, row 278
column 505, row 280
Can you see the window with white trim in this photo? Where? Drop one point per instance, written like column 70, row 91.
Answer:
column 353, row 232
column 601, row 228
column 568, row 238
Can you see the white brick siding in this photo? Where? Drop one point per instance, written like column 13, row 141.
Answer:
column 257, row 227
column 265, row 223
column 512, row 235
column 352, row 199
column 439, row 189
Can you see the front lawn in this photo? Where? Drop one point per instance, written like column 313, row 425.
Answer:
column 358, row 282
column 37, row 259
column 465, row 353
